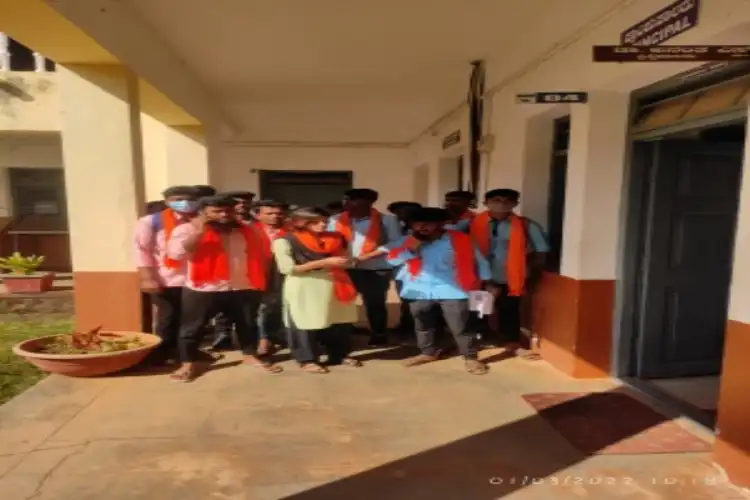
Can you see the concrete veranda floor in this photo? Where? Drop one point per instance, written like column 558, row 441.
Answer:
column 375, row 433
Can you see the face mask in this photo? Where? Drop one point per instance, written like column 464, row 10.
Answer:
column 183, row 206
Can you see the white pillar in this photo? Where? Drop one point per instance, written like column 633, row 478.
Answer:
column 173, row 156
column 104, row 181
column 596, row 162
column 739, row 298
column 39, row 63
column 187, row 156
column 4, row 53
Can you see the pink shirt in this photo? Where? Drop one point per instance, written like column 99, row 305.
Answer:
column 150, row 249
column 234, row 245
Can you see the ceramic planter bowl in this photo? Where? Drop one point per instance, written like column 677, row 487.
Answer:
column 28, row 283
column 85, row 365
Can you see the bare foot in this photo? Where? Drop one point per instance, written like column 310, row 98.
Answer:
column 314, row 368
column 263, row 365
column 420, row 359
column 476, row 367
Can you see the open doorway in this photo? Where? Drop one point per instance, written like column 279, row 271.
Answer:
column 689, row 213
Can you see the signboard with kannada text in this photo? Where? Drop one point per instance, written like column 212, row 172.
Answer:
column 671, row 53
column 672, row 20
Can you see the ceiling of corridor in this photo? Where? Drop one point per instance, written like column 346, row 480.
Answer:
column 401, row 62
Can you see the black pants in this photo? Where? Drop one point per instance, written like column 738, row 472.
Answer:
column 405, row 322
column 168, row 302
column 508, row 311
column 426, row 315
column 373, row 287
column 240, row 306
column 305, row 344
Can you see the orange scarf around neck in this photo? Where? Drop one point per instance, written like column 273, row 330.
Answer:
column 330, row 245
column 372, row 237
column 210, row 263
column 168, row 223
column 481, row 232
column 463, row 256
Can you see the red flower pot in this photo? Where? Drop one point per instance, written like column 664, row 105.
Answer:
column 28, row 283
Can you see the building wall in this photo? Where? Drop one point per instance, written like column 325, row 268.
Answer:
column 384, row 169
column 29, row 102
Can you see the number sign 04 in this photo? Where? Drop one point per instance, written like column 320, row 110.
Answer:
column 553, row 98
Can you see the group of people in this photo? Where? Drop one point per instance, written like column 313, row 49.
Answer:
column 260, row 274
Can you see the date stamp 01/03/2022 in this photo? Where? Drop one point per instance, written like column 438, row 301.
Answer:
column 572, row 480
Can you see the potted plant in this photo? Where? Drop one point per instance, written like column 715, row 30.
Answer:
column 21, row 274
column 87, row 354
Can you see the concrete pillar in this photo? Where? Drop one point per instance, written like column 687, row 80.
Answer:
column 596, row 161
column 574, row 310
column 6, row 199
column 103, row 159
column 173, row 155
column 732, row 450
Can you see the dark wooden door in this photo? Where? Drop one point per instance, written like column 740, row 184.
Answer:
column 687, row 265
column 304, row 188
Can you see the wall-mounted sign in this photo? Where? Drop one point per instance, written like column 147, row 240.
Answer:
column 452, row 139
column 669, row 22
column 671, row 53
column 552, row 98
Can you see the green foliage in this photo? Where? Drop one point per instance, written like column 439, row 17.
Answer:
column 18, row 264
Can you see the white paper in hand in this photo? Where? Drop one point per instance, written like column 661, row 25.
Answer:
column 481, row 302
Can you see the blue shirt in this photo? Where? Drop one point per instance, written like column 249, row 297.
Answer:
column 437, row 281
column 536, row 242
column 462, row 225
column 392, row 232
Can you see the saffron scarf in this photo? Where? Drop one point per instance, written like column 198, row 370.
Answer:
column 210, row 264
column 168, row 223
column 321, row 246
column 480, row 231
column 373, row 235
column 463, row 255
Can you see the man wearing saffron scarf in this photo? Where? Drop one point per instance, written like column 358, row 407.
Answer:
column 515, row 247
column 401, row 210
column 227, row 271
column 441, row 267
column 458, row 204
column 270, row 218
column 365, row 229
column 161, row 277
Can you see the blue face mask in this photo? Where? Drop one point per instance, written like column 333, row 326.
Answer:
column 183, row 206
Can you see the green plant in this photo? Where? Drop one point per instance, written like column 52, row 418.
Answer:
column 18, row 264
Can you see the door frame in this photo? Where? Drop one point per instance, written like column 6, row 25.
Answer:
column 633, row 235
